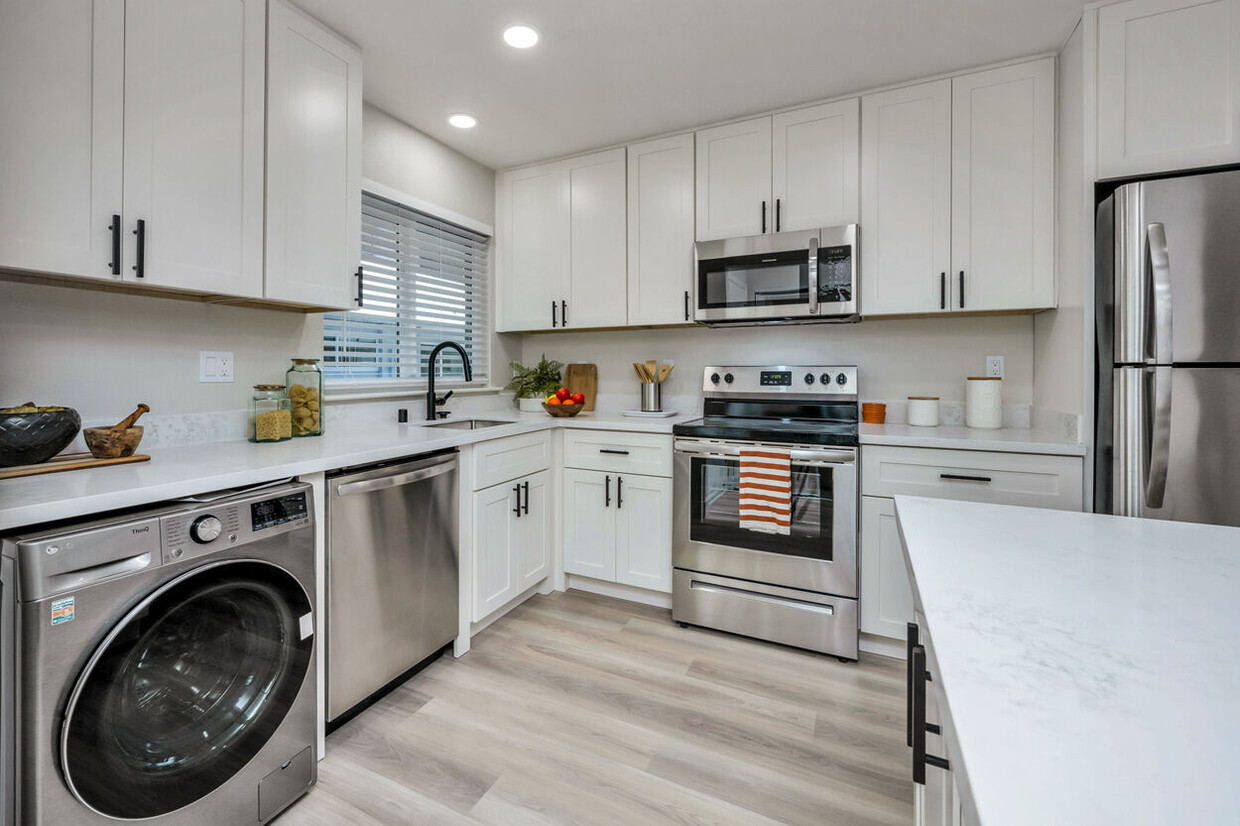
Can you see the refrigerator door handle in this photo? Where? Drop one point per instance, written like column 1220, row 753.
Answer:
column 1160, row 286
column 1160, row 437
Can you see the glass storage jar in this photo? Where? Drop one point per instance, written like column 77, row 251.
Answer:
column 271, row 416
column 305, row 392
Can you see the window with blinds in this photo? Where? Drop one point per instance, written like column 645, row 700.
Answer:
column 424, row 281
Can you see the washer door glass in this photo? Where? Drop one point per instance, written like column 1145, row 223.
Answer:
column 186, row 689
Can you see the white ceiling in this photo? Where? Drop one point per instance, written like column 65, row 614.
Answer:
column 609, row 71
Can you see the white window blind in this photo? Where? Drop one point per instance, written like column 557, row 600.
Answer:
column 424, row 281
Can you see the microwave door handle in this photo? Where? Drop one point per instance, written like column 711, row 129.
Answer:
column 1160, row 286
column 813, row 276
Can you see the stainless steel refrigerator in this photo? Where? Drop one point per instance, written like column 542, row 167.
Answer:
column 1168, row 350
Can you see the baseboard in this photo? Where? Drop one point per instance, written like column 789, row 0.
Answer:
column 884, row 646
column 475, row 627
column 615, row 589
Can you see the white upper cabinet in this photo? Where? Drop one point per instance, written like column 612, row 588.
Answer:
column 314, row 162
column 62, row 75
column 597, row 291
column 532, row 215
column 734, row 180
column 815, row 166
column 906, row 148
column 193, row 168
column 1168, row 86
column 661, row 231
column 1003, row 188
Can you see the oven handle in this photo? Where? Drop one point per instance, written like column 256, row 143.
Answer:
column 812, row 458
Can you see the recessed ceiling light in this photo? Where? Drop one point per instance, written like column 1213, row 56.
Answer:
column 463, row 121
column 520, row 36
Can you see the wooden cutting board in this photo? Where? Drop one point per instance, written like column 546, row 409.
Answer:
column 68, row 461
column 582, row 378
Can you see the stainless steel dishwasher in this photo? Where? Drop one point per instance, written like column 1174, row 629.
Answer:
column 391, row 574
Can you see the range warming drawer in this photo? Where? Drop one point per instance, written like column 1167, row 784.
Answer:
column 804, row 619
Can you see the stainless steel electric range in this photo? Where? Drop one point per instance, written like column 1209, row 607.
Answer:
column 798, row 588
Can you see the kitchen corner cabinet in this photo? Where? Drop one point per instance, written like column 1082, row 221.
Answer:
column 562, row 261
column 314, row 162
column 1168, row 86
column 157, row 111
column 661, row 231
column 957, row 194
column 791, row 171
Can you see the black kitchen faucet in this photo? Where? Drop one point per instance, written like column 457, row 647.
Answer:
column 431, row 401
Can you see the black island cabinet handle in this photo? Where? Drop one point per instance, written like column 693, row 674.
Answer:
column 920, row 727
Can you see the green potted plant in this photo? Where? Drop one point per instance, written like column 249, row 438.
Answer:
column 530, row 385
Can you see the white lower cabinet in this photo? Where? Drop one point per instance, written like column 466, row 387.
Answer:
column 886, row 597
column 618, row 528
column 511, row 540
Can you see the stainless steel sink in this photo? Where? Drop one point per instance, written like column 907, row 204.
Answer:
column 470, row 424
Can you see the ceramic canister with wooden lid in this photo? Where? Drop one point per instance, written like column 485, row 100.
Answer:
column 923, row 411
column 984, row 402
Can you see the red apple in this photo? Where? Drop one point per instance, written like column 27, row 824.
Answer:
column 562, row 394
column 578, row 398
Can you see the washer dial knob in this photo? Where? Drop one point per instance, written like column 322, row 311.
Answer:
column 205, row 529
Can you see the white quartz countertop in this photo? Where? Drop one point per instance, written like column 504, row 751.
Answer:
column 958, row 437
column 1090, row 663
column 174, row 472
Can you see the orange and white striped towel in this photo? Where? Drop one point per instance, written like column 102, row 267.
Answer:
column 766, row 490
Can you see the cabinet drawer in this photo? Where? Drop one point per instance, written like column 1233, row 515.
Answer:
column 504, row 459
column 973, row 475
column 617, row 452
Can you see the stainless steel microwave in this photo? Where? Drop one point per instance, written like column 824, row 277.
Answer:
column 785, row 278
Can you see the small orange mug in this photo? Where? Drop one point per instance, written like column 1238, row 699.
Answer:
column 873, row 413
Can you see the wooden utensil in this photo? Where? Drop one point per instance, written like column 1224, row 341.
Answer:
column 583, row 379
column 652, row 369
column 665, row 370
column 132, row 418
column 640, row 370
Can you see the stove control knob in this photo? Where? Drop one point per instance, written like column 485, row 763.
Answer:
column 205, row 529
column 825, row 378
column 842, row 378
column 714, row 378
column 728, row 378
column 809, row 378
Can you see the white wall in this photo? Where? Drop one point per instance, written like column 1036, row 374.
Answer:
column 898, row 358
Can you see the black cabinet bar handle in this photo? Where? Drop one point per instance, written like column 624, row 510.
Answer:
column 116, row 244
column 962, row 289
column 613, row 452
column 358, row 298
column 563, row 313
column 553, row 311
column 777, row 210
column 961, row 477
column 942, row 291
column 912, row 637
column 526, row 487
column 607, row 491
column 517, row 490
column 764, row 216
column 140, row 266
column 619, row 492
column 920, row 758
column 686, row 305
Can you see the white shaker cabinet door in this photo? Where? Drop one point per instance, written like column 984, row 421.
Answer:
column 590, row 523
column 532, row 215
column 495, row 543
column 661, row 231
column 644, row 532
column 597, row 214
column 734, row 180
column 533, row 531
column 906, row 148
column 314, row 162
column 194, row 115
column 62, row 70
column 1168, row 86
column 815, row 166
column 886, row 596
column 1003, row 188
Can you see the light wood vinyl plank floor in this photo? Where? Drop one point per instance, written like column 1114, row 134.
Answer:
column 580, row 709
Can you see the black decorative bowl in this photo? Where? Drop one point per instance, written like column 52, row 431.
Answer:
column 30, row 438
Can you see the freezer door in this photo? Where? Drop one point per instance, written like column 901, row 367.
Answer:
column 1175, row 444
column 1177, row 270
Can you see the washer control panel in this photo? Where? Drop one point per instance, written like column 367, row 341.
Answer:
column 228, row 522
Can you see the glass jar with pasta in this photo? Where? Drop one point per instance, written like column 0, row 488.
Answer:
column 305, row 392
column 271, row 418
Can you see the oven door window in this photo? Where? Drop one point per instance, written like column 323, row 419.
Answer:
column 754, row 280
column 716, row 510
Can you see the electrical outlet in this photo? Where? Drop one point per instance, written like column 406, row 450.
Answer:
column 994, row 367
column 215, row 366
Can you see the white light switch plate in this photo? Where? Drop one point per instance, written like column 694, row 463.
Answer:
column 994, row 366
column 215, row 366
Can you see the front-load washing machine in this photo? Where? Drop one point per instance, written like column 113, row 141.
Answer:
column 158, row 666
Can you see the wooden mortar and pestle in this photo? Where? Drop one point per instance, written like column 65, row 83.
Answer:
column 119, row 440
